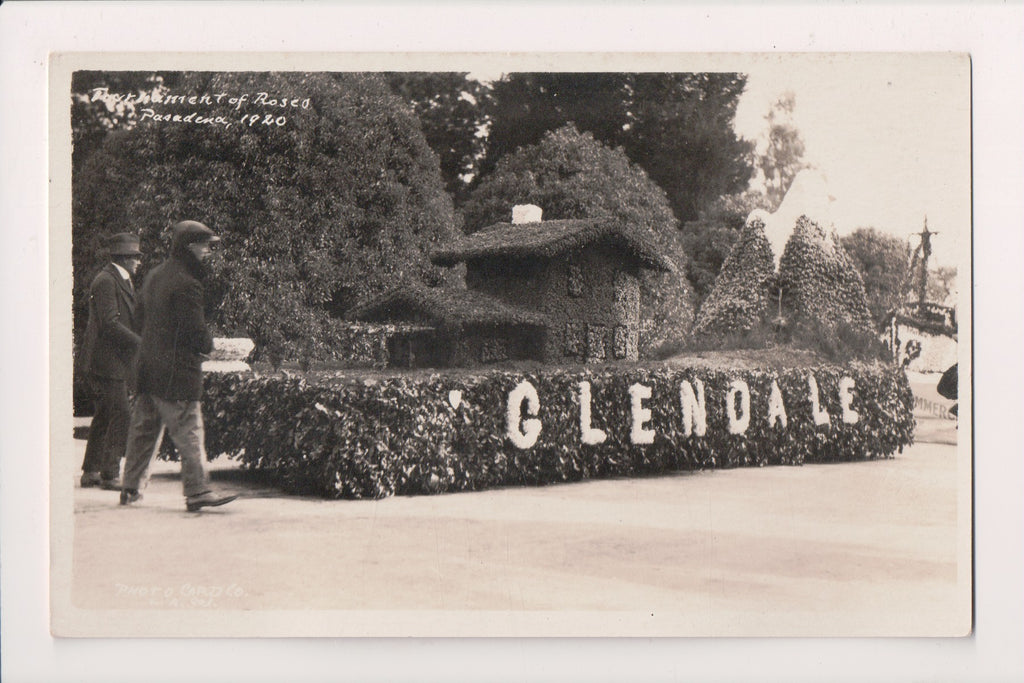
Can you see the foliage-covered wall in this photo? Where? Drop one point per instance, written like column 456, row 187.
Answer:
column 351, row 438
column 321, row 185
column 570, row 175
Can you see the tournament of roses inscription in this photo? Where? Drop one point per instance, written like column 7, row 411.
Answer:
column 223, row 109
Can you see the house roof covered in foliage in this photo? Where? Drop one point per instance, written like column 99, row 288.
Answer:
column 446, row 307
column 545, row 239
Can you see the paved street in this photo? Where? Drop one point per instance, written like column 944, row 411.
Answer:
column 854, row 548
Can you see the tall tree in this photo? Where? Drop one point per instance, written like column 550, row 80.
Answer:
column 525, row 106
column 451, row 108
column 779, row 156
column 883, row 262
column 681, row 133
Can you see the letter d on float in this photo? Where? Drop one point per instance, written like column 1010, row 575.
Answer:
column 523, row 433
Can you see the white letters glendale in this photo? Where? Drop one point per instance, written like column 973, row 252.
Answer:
column 523, row 399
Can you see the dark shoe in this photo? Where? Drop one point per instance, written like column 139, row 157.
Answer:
column 208, row 499
column 129, row 496
column 111, row 485
column 90, row 479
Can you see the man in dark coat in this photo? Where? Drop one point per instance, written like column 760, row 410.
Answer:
column 175, row 340
column 107, row 351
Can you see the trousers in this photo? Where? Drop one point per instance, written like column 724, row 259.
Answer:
column 108, row 431
column 183, row 422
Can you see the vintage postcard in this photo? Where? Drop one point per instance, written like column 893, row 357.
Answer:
column 517, row 345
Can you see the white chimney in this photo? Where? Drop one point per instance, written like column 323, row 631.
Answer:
column 526, row 213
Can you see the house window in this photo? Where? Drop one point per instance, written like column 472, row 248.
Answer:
column 575, row 339
column 493, row 351
column 575, row 278
column 596, row 335
column 621, row 342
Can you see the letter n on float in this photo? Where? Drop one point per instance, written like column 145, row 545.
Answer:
column 588, row 435
column 523, row 433
column 821, row 417
column 738, row 423
column 695, row 409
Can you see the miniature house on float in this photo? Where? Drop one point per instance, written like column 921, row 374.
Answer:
column 559, row 291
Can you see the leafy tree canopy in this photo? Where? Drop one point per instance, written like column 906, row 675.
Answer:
column 883, row 262
column 571, row 175
column 678, row 127
column 451, row 109
column 331, row 201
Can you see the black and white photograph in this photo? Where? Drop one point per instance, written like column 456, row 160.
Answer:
column 523, row 343
column 548, row 352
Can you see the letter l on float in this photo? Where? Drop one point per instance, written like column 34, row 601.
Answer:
column 588, row 435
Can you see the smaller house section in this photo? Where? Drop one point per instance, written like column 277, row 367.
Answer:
column 446, row 327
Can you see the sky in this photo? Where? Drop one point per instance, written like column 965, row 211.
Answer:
column 889, row 133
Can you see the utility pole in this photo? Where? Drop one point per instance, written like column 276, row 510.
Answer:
column 926, row 251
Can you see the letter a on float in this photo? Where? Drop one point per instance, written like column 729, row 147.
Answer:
column 523, row 433
column 738, row 423
column 637, row 434
column 776, row 408
column 820, row 416
column 850, row 416
column 695, row 410
column 588, row 435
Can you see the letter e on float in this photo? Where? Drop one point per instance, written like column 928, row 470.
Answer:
column 523, row 433
column 846, row 385
column 637, row 433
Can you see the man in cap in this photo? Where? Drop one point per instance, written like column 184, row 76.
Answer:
column 109, row 346
column 175, row 340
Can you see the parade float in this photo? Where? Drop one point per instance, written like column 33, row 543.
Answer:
column 529, row 375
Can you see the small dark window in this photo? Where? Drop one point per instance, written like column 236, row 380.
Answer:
column 575, row 280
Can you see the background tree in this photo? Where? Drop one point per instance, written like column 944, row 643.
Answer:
column 678, row 127
column 779, row 156
column 681, row 132
column 94, row 114
column 525, row 106
column 709, row 239
column 883, row 262
column 451, row 109
column 571, row 175
column 331, row 207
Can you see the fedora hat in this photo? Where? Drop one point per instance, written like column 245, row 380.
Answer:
column 124, row 244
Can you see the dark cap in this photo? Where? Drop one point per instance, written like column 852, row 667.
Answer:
column 124, row 244
column 190, row 232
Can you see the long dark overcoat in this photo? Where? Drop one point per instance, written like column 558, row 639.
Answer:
column 110, row 334
column 174, row 331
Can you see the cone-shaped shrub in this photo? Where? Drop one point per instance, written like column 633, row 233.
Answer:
column 741, row 297
column 820, row 285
